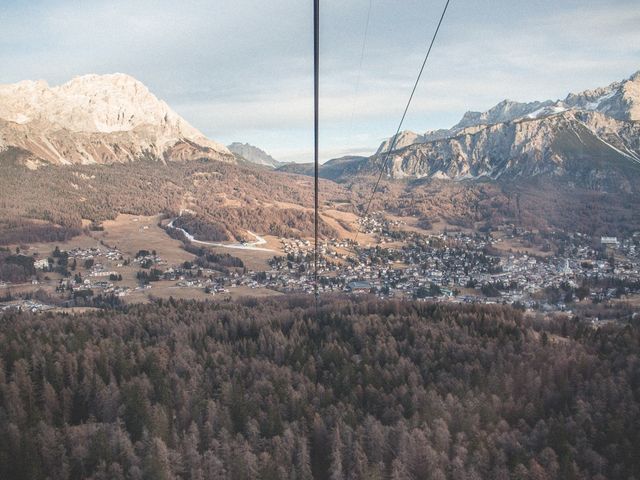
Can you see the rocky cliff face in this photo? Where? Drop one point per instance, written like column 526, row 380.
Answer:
column 619, row 100
column 592, row 137
column 96, row 119
column 578, row 144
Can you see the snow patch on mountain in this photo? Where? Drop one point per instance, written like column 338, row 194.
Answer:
column 575, row 143
column 619, row 100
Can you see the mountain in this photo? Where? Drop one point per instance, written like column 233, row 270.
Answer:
column 253, row 155
column 95, row 119
column 334, row 169
column 344, row 166
column 572, row 165
column 591, row 138
column 588, row 148
column 619, row 100
column 403, row 139
column 297, row 168
column 504, row 111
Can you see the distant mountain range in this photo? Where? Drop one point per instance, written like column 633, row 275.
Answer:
column 572, row 164
column 592, row 136
column 336, row 169
column 591, row 139
column 95, row 119
column 253, row 155
column 620, row 100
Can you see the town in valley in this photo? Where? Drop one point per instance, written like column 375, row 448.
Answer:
column 134, row 259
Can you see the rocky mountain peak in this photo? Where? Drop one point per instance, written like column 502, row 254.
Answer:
column 619, row 100
column 590, row 138
column 403, row 139
column 253, row 154
column 116, row 109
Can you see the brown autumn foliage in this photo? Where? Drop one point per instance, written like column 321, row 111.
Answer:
column 15, row 268
column 536, row 203
column 231, row 198
column 365, row 389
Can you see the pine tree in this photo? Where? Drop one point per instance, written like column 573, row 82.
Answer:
column 157, row 461
column 212, row 466
column 191, row 457
column 335, row 470
column 399, row 471
column 303, row 460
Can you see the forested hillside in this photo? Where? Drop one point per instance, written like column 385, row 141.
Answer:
column 229, row 198
column 369, row 390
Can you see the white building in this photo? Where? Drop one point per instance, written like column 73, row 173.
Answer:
column 41, row 264
column 609, row 241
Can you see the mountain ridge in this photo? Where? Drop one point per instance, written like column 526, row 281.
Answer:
column 590, row 139
column 253, row 154
column 97, row 119
column 619, row 100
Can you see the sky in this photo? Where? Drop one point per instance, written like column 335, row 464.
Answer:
column 241, row 70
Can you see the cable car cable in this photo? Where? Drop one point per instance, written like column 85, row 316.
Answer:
column 394, row 139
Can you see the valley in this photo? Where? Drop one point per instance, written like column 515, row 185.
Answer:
column 134, row 259
column 533, row 204
column 216, row 263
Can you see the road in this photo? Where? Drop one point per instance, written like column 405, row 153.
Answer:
column 240, row 246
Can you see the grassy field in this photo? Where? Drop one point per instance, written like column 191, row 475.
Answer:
column 132, row 233
column 44, row 250
column 166, row 290
column 345, row 223
column 507, row 245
